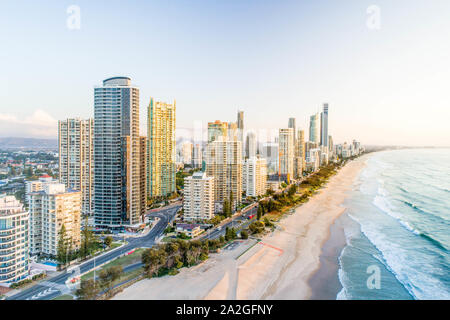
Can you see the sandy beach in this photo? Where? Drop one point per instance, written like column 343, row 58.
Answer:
column 278, row 267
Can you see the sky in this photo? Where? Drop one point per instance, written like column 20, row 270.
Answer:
column 382, row 66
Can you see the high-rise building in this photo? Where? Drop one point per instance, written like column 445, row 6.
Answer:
column 250, row 145
column 286, row 153
column 291, row 124
column 117, row 194
column 187, row 150
column 161, row 167
column 234, row 132
column 271, row 154
column 330, row 144
column 197, row 157
column 198, row 202
column 324, row 126
column 299, row 154
column 313, row 160
column 224, row 163
column 254, row 176
column 143, row 174
column 314, row 128
column 14, row 240
column 240, row 126
column 50, row 209
column 76, row 158
column 217, row 129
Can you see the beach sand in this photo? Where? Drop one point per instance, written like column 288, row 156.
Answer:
column 282, row 266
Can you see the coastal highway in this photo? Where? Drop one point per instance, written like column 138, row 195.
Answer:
column 241, row 222
column 53, row 287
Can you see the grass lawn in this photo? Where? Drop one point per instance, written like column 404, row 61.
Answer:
column 122, row 261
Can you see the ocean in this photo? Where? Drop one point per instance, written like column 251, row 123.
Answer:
column 397, row 228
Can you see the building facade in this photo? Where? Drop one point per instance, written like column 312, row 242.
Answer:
column 224, row 163
column 299, row 153
column 286, row 153
column 197, row 156
column 117, row 194
column 198, row 202
column 14, row 240
column 161, row 154
column 217, row 129
column 76, row 158
column 50, row 209
column 250, row 145
column 324, row 126
column 254, row 177
column 314, row 128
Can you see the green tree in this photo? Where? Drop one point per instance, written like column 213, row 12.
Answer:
column 108, row 277
column 108, row 241
column 87, row 240
column 244, row 234
column 62, row 249
column 88, row 290
column 259, row 213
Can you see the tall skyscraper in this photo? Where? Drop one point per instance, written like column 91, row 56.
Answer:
column 187, row 150
column 224, row 163
column 14, row 239
column 291, row 124
column 324, row 126
column 50, row 209
column 299, row 153
column 161, row 155
column 250, row 145
column 330, row 144
column 143, row 174
column 197, row 157
column 240, row 126
column 314, row 128
column 117, row 194
column 286, row 152
column 76, row 158
column 271, row 154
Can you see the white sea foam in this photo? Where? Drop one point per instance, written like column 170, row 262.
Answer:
column 407, row 270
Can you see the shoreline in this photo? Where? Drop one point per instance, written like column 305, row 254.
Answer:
column 282, row 266
column 325, row 283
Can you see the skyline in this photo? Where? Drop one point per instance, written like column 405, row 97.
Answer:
column 388, row 84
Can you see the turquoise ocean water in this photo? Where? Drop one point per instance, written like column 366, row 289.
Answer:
column 398, row 224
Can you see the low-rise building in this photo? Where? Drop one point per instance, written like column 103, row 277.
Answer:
column 190, row 230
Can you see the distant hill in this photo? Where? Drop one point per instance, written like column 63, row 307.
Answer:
column 28, row 144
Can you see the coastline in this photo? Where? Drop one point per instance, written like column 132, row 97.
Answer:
column 324, row 283
column 283, row 265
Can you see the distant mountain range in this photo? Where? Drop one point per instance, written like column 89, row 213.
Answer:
column 14, row 143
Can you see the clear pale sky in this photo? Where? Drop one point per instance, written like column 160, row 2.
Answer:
column 273, row 59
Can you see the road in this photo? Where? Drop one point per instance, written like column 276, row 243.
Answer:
column 56, row 286
column 240, row 222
